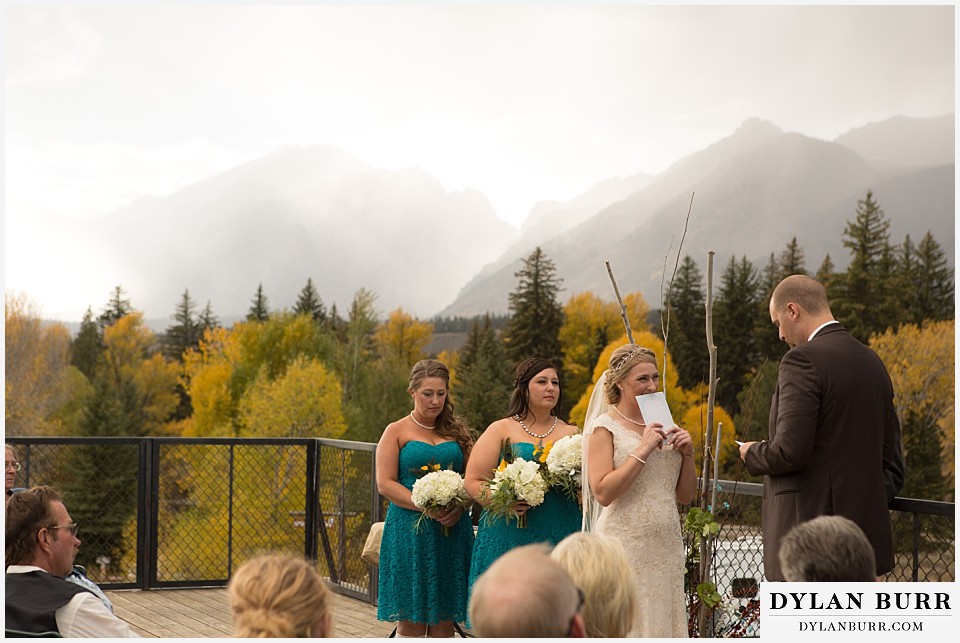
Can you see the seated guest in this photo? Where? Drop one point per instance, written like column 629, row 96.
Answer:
column 526, row 594
column 10, row 468
column 827, row 549
column 279, row 596
column 599, row 566
column 78, row 574
column 40, row 548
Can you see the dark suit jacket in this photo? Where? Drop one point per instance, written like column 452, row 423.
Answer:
column 834, row 444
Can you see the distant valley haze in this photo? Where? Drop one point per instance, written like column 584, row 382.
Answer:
column 422, row 151
column 322, row 213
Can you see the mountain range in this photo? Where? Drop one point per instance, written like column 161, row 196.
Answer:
column 322, row 213
column 748, row 195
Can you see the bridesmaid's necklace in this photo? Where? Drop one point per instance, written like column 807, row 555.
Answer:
column 423, row 426
column 621, row 415
column 536, row 435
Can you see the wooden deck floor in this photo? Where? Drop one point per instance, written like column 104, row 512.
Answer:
column 205, row 613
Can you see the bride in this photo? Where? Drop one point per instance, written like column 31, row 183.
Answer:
column 634, row 476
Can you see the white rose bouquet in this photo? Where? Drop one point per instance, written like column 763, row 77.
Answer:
column 439, row 489
column 515, row 481
column 564, row 462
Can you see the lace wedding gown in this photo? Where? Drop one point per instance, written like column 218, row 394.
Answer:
column 646, row 521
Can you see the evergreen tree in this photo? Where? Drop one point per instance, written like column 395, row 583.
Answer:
column 826, row 272
column 792, row 260
column 309, row 303
column 765, row 335
column 207, row 320
column 686, row 332
column 935, row 288
column 101, row 481
column 185, row 333
column 923, row 463
column 259, row 307
column 536, row 316
column 736, row 304
column 338, row 325
column 87, row 346
column 484, row 377
column 864, row 293
column 118, row 307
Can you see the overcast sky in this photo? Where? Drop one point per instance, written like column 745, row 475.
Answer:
column 105, row 104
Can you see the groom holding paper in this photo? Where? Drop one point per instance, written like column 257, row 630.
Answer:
column 834, row 437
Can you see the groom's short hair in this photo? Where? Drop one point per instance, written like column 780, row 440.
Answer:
column 524, row 594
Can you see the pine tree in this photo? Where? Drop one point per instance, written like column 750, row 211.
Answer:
column 826, row 272
column 207, row 320
column 536, row 316
column 101, row 481
column 484, row 377
column 737, row 352
column 309, row 303
column 259, row 307
column 185, row 333
column 765, row 335
column 935, row 296
column 87, row 346
column 686, row 339
column 864, row 292
column 792, row 260
column 118, row 307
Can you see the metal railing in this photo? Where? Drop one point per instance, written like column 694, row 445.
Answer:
column 182, row 512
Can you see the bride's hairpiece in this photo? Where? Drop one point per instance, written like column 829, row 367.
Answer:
column 639, row 350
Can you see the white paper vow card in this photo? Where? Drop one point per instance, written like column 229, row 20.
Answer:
column 654, row 408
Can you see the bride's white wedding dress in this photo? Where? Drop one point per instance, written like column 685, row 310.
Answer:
column 646, row 521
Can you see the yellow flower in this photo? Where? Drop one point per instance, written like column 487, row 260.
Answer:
column 503, row 465
column 545, row 451
column 423, row 468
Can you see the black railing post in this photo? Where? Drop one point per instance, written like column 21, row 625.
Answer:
column 376, row 509
column 916, row 547
column 311, row 522
column 230, row 517
column 342, row 531
column 148, row 509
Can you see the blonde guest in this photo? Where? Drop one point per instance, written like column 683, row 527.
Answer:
column 280, row 596
column 599, row 566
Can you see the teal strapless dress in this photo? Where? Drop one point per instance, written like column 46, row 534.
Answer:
column 423, row 576
column 550, row 522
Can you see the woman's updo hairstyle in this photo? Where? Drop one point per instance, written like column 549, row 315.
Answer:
column 621, row 361
column 277, row 596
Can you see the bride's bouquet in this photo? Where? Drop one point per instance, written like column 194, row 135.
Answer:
column 439, row 489
column 515, row 481
column 564, row 464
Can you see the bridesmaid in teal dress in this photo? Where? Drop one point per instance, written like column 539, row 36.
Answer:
column 423, row 576
column 530, row 421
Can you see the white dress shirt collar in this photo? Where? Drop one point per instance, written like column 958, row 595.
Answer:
column 820, row 327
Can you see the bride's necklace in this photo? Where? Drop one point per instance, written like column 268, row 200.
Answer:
column 423, row 426
column 536, row 435
column 621, row 415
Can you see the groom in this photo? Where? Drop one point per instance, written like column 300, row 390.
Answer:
column 834, row 437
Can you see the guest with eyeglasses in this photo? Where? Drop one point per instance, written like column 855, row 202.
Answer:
column 41, row 545
column 10, row 468
column 527, row 594
column 78, row 574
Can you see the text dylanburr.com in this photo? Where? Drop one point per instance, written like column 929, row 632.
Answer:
column 911, row 611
